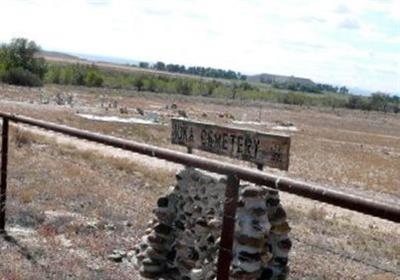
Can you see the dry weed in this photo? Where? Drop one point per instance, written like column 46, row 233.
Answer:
column 317, row 213
column 380, row 276
column 21, row 137
column 27, row 195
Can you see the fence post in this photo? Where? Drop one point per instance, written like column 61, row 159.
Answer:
column 3, row 180
column 228, row 227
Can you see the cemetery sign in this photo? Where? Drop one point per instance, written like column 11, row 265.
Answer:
column 261, row 148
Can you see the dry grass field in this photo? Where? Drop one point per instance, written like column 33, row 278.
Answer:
column 71, row 204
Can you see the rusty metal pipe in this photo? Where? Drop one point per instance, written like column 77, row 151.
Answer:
column 319, row 193
column 3, row 175
column 228, row 227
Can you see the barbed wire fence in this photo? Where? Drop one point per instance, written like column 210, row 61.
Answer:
column 347, row 256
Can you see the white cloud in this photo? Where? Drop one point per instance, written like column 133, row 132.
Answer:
column 342, row 9
column 349, row 23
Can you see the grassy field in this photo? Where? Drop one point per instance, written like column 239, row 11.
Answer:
column 115, row 76
column 70, row 206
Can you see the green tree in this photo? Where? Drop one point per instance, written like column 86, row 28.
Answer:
column 54, row 74
column 79, row 74
column 160, row 66
column 380, row 101
column 143, row 64
column 93, row 79
column 358, row 102
column 344, row 90
column 18, row 62
column 67, row 76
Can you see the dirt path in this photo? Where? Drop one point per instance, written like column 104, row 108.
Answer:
column 340, row 215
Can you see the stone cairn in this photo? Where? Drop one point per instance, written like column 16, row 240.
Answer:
column 182, row 241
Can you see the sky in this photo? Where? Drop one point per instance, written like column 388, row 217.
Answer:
column 342, row 42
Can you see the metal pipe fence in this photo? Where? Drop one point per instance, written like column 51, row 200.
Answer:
column 320, row 193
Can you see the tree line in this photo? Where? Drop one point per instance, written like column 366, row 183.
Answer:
column 377, row 102
column 310, row 87
column 74, row 74
column 194, row 70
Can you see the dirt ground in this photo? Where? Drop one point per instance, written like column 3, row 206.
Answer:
column 71, row 202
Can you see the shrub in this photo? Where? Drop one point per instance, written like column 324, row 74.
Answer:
column 183, row 87
column 22, row 77
column 93, row 79
column 2, row 69
column 294, row 99
column 358, row 102
column 150, row 84
column 138, row 83
column 380, row 101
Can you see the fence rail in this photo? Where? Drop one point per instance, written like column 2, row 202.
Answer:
column 338, row 198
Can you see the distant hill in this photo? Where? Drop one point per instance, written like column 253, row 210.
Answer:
column 278, row 79
column 57, row 55
column 108, row 59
